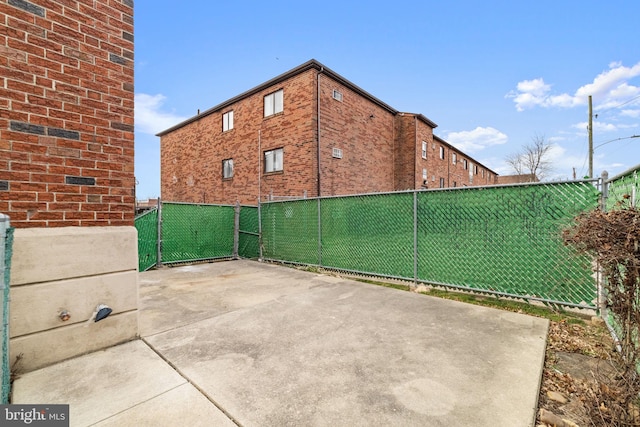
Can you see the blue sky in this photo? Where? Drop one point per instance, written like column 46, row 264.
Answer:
column 491, row 74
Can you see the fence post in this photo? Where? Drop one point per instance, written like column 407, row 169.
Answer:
column 236, row 230
column 259, row 229
column 605, row 190
column 4, row 309
column 415, row 238
column 319, row 233
column 159, row 240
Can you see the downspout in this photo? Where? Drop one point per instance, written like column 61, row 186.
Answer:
column 415, row 144
column 318, row 190
column 447, row 159
column 318, row 161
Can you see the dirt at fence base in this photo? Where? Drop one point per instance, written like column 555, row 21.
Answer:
column 579, row 377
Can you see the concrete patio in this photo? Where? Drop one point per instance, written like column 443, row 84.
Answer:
column 252, row 344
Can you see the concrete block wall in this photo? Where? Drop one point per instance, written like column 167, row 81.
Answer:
column 71, row 270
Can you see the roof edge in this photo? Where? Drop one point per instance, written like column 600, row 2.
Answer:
column 437, row 138
column 311, row 64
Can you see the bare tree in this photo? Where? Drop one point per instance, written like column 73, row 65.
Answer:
column 532, row 159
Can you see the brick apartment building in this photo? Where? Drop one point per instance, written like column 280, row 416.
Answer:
column 66, row 173
column 308, row 132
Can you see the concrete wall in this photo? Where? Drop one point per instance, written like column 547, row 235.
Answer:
column 73, row 269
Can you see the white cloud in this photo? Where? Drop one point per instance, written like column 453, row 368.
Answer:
column 148, row 115
column 599, row 126
column 635, row 114
column 609, row 89
column 477, row 139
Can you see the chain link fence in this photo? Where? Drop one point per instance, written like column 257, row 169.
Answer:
column 622, row 190
column 504, row 240
column 196, row 232
column 6, row 245
column 147, row 226
column 249, row 237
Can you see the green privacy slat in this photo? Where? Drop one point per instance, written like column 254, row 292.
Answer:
column 504, row 240
column 196, row 232
column 248, row 238
column 371, row 233
column 623, row 190
column 290, row 231
column 147, row 226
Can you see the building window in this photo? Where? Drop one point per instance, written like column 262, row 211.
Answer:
column 337, row 95
column 454, row 158
column 441, row 182
column 424, row 174
column 273, row 103
column 424, row 150
column 441, row 152
column 483, row 173
column 227, row 168
column 475, row 169
column 455, row 184
column 465, row 164
column 273, row 160
column 227, row 121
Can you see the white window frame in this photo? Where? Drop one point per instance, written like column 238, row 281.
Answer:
column 227, row 169
column 441, row 182
column 425, row 176
column 441, row 152
column 274, row 103
column 465, row 163
column 274, row 160
column 227, row 121
column 337, row 95
column 454, row 158
column 424, row 149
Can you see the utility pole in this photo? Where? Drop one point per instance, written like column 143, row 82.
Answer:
column 590, row 138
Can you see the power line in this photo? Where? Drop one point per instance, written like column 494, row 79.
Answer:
column 617, row 139
column 620, row 105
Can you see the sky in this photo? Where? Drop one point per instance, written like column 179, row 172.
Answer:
column 492, row 74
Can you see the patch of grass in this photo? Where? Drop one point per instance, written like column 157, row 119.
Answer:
column 551, row 313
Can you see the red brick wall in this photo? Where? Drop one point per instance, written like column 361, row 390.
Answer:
column 424, row 133
column 191, row 160
column 404, row 152
column 364, row 132
column 66, row 128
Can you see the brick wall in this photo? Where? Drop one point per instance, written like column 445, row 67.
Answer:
column 66, row 130
column 364, row 132
column 379, row 149
column 192, row 156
